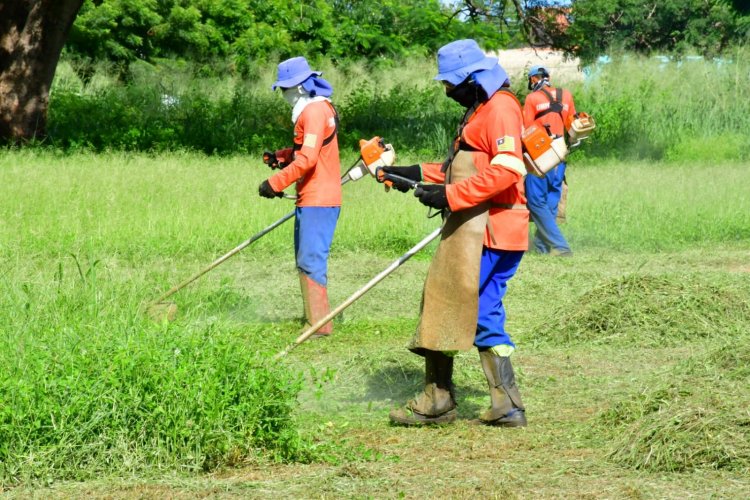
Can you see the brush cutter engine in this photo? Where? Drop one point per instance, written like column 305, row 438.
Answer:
column 580, row 128
column 374, row 153
column 542, row 150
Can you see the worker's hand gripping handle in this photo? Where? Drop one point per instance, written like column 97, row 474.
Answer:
column 392, row 180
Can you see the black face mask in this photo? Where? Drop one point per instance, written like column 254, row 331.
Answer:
column 467, row 93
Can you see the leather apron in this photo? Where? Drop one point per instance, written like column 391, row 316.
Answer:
column 450, row 299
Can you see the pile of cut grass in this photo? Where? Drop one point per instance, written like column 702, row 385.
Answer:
column 698, row 418
column 648, row 309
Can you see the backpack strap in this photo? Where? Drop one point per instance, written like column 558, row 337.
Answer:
column 555, row 103
column 330, row 138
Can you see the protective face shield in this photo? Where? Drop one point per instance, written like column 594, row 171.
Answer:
column 292, row 95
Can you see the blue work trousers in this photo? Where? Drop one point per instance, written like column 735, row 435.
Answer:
column 542, row 198
column 313, row 235
column 497, row 267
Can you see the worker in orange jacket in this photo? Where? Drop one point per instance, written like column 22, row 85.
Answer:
column 551, row 108
column 485, row 233
column 313, row 165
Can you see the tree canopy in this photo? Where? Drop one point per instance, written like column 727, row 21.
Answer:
column 125, row 30
column 262, row 30
column 646, row 26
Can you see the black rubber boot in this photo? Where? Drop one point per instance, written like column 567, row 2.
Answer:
column 436, row 404
column 507, row 409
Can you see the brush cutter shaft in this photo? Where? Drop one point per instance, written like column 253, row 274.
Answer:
column 224, row 257
column 359, row 293
column 232, row 252
column 344, row 179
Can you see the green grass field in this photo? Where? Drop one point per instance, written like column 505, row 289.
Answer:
column 632, row 355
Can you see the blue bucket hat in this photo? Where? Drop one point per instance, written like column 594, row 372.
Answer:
column 292, row 72
column 457, row 60
column 536, row 70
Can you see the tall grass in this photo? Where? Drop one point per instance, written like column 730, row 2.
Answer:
column 88, row 385
column 678, row 110
column 169, row 110
column 645, row 109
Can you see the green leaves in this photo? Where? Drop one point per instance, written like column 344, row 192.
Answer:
column 268, row 30
column 647, row 26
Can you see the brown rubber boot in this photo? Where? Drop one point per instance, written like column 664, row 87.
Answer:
column 507, row 409
column 315, row 302
column 436, row 404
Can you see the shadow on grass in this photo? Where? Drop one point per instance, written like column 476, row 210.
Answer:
column 396, row 384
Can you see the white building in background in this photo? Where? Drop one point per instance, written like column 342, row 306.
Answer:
column 517, row 62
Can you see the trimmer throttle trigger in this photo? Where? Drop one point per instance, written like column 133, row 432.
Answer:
column 382, row 178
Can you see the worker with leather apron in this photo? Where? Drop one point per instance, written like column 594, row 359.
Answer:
column 485, row 234
column 313, row 165
column 551, row 108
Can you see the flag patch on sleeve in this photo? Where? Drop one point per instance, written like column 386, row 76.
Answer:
column 310, row 140
column 506, row 144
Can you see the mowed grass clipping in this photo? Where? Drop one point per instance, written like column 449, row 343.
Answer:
column 696, row 417
column 646, row 309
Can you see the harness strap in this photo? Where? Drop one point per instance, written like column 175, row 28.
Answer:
column 330, row 138
column 555, row 104
column 459, row 144
column 456, row 146
column 465, row 146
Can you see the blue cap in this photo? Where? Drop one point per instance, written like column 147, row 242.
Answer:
column 457, row 60
column 292, row 72
column 537, row 69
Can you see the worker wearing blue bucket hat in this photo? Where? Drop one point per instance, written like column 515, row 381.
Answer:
column 480, row 188
column 313, row 165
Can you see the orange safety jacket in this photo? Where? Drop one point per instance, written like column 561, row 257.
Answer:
column 540, row 105
column 316, row 166
column 493, row 135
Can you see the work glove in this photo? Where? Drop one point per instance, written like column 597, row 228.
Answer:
column 278, row 159
column 412, row 172
column 266, row 191
column 269, row 158
column 432, row 195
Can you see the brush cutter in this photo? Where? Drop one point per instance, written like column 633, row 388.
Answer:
column 359, row 293
column 373, row 155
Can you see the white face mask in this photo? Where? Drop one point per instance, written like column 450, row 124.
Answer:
column 293, row 94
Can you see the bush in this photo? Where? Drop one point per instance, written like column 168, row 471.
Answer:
column 679, row 110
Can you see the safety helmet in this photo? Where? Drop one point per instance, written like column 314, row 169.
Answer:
column 538, row 70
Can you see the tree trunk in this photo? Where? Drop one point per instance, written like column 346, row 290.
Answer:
column 32, row 35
